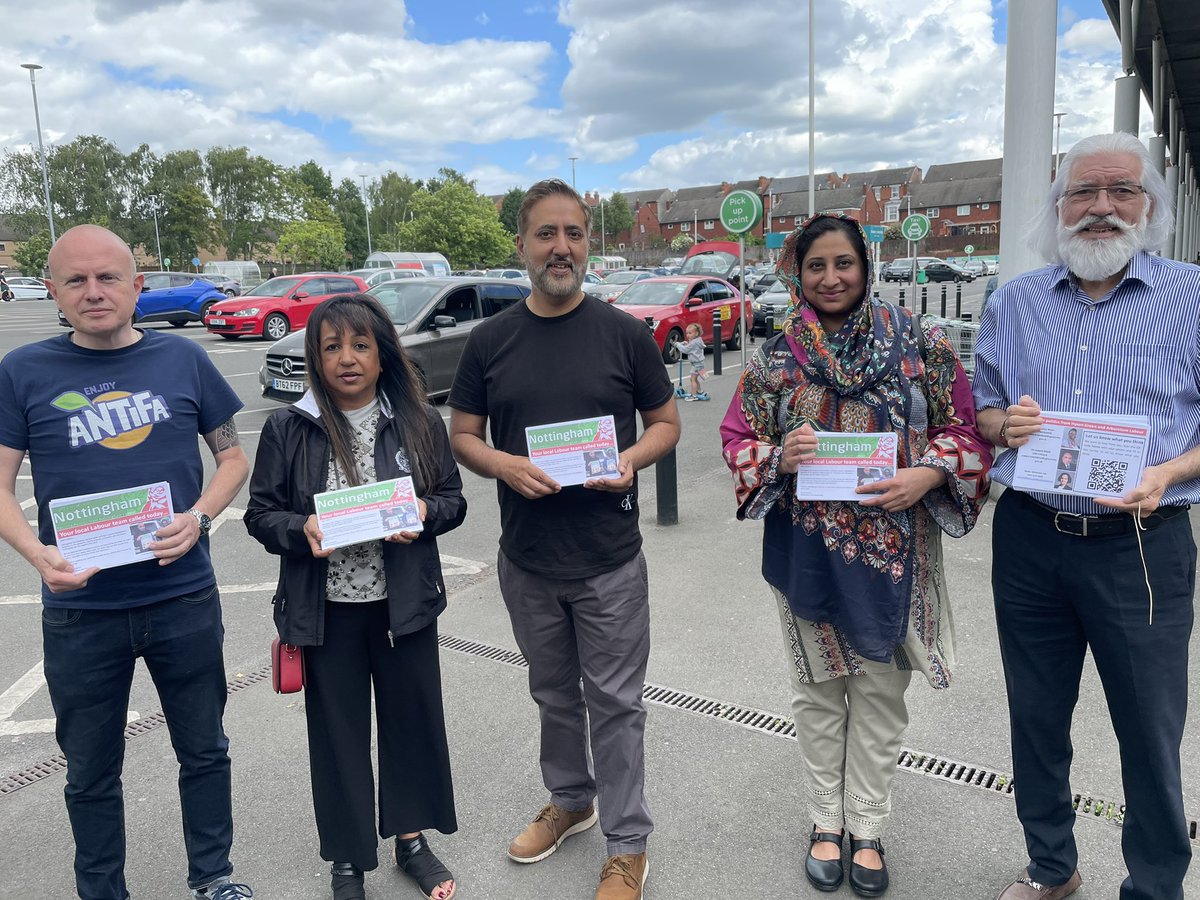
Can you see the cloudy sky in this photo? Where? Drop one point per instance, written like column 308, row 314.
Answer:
column 663, row 94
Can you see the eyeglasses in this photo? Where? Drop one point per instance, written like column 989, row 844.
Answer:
column 1117, row 193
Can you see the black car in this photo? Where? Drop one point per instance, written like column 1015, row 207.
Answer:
column 947, row 271
column 772, row 304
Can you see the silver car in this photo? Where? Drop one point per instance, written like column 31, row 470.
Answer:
column 433, row 317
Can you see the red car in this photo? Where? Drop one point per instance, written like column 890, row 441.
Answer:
column 676, row 301
column 278, row 305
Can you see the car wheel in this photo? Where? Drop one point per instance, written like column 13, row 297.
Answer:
column 958, row 279
column 230, row 292
column 204, row 310
column 276, row 326
column 178, row 323
column 735, row 339
column 670, row 352
column 231, row 337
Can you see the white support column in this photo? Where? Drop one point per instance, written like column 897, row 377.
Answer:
column 1171, row 176
column 1028, row 128
column 1128, row 93
column 1158, row 153
column 1181, row 188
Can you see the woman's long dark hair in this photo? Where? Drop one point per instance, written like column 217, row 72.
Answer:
column 398, row 381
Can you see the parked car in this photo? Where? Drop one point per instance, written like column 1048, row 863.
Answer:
column 230, row 287
column 460, row 273
column 505, row 273
column 977, row 267
column 613, row 284
column 433, row 317
column 278, row 305
column 24, row 287
column 674, row 302
column 592, row 278
column 902, row 269
column 772, row 303
column 947, row 271
column 764, row 283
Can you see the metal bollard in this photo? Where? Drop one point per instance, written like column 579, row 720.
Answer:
column 902, row 297
column 717, row 342
column 666, row 487
column 943, row 300
column 924, row 298
column 958, row 301
column 771, row 325
column 875, row 293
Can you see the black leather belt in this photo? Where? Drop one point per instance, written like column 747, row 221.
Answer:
column 1098, row 526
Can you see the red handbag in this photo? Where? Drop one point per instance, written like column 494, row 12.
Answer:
column 287, row 667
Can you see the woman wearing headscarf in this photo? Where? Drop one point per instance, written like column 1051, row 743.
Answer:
column 365, row 615
column 859, row 584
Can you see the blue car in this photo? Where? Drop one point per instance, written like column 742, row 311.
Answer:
column 176, row 297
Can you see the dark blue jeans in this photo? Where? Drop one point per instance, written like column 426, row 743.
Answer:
column 89, row 660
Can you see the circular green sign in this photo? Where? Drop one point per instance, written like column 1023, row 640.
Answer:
column 741, row 211
column 915, row 227
column 167, row 261
column 969, row 249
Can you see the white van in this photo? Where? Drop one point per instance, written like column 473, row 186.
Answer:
column 433, row 263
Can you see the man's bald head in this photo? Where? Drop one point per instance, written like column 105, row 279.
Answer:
column 86, row 241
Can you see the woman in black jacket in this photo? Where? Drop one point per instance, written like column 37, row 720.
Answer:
column 365, row 614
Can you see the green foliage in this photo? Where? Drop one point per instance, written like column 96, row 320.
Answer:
column 447, row 176
column 617, row 215
column 318, row 243
column 30, row 256
column 682, row 242
column 510, row 206
column 458, row 223
column 248, row 194
column 391, row 199
column 316, row 179
column 752, row 239
column 352, row 213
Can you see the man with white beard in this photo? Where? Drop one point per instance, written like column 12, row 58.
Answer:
column 1108, row 328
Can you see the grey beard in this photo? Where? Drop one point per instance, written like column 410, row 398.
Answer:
column 1096, row 260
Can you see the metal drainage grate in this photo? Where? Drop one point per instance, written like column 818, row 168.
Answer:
column 58, row 763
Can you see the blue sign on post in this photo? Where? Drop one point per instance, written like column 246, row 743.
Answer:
column 195, row 260
column 874, row 233
column 775, row 239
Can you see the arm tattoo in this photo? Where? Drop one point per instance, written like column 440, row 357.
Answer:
column 225, row 436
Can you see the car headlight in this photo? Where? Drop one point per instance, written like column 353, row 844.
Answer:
column 252, row 311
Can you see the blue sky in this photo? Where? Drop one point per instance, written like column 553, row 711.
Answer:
column 670, row 94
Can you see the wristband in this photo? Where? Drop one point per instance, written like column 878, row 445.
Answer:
column 1004, row 431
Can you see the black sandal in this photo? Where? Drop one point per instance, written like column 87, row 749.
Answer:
column 347, row 882
column 419, row 863
column 823, row 874
column 863, row 881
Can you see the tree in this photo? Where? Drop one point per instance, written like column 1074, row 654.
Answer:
column 391, row 199
column 352, row 213
column 31, row 256
column 617, row 215
column 318, row 243
column 173, row 188
column 316, row 179
column 458, row 223
column 447, row 176
column 682, row 242
column 247, row 192
column 510, row 206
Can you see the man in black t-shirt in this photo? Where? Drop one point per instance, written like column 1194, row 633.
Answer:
column 570, row 566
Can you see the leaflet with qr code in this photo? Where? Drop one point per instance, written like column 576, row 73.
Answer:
column 1090, row 455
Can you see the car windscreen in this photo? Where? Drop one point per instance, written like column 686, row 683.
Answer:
column 716, row 263
column 404, row 300
column 778, row 287
column 276, row 287
column 652, row 293
column 626, row 276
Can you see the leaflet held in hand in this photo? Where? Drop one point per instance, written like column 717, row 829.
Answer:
column 367, row 512
column 1087, row 454
column 111, row 528
column 574, row 452
column 845, row 461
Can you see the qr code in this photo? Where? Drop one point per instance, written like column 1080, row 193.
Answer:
column 1107, row 475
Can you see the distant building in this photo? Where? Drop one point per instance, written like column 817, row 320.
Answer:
column 961, row 199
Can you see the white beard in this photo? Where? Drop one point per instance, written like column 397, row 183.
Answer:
column 1098, row 259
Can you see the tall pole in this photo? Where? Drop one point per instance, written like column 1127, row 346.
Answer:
column 37, row 119
column 157, row 240
column 572, row 159
column 367, row 209
column 695, row 228
column 812, row 134
column 1057, row 131
column 603, row 250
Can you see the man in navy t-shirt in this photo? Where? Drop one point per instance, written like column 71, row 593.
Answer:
column 102, row 408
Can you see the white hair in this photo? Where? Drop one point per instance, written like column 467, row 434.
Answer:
column 1160, row 220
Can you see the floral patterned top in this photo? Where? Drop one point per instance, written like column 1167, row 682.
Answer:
column 356, row 573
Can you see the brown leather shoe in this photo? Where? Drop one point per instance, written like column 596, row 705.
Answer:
column 550, row 827
column 1024, row 888
column 622, row 877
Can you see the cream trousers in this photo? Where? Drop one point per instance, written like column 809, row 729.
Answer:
column 849, row 732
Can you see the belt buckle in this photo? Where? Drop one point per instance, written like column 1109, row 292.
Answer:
column 1060, row 530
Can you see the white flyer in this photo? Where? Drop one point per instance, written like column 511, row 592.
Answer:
column 845, row 461
column 1087, row 454
column 111, row 528
column 575, row 452
column 367, row 512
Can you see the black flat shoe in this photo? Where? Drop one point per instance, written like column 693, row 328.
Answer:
column 418, row 862
column 823, row 874
column 347, row 881
column 863, row 881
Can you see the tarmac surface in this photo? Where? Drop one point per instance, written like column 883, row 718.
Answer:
column 727, row 798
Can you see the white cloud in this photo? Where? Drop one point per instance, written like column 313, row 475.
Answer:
column 482, row 18
column 1094, row 37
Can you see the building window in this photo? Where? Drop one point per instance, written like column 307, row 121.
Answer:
column 891, row 212
column 621, row 246
column 964, row 210
column 878, row 193
column 641, row 229
column 895, row 192
column 933, row 212
column 985, row 206
column 685, row 226
column 670, row 226
column 709, row 225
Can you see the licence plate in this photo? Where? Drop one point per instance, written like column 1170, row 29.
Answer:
column 291, row 387
column 216, row 321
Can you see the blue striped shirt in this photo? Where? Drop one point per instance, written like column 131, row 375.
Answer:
column 1135, row 351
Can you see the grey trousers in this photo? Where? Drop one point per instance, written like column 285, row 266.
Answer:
column 596, row 629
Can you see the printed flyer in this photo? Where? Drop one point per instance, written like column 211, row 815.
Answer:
column 1088, row 454
column 111, row 528
column 368, row 512
column 574, row 452
column 844, row 462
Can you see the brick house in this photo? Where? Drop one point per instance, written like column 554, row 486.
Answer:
column 791, row 209
column 962, row 199
column 889, row 188
column 645, row 206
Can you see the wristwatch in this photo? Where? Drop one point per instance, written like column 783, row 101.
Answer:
column 202, row 518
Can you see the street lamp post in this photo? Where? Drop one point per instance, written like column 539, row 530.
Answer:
column 157, row 240
column 367, row 210
column 37, row 119
column 572, row 159
column 1057, row 129
column 603, row 246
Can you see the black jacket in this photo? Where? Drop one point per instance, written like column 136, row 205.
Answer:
column 292, row 464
